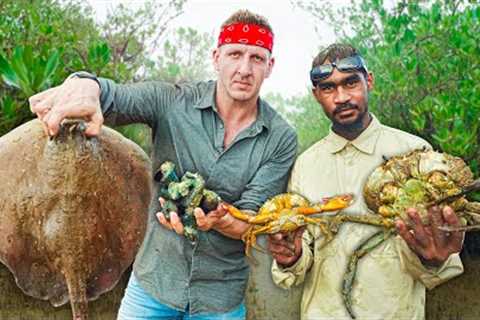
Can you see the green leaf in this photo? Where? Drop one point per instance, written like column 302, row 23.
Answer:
column 409, row 36
column 436, row 12
column 51, row 66
column 104, row 53
column 8, row 74
column 8, row 107
column 18, row 65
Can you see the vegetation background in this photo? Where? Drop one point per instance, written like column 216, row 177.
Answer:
column 425, row 56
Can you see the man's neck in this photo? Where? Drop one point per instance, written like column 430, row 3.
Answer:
column 234, row 112
column 351, row 132
column 236, row 115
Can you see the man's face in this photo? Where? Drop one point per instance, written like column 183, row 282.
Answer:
column 241, row 70
column 344, row 97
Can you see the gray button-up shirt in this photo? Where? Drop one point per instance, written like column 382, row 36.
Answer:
column 209, row 276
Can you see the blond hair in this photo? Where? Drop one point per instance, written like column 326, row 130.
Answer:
column 246, row 16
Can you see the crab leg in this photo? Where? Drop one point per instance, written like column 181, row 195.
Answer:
column 474, row 186
column 371, row 219
column 246, row 217
column 238, row 214
column 328, row 204
column 326, row 228
column 252, row 239
column 367, row 246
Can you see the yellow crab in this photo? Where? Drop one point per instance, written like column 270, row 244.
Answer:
column 287, row 212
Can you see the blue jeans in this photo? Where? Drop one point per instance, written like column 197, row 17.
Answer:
column 138, row 304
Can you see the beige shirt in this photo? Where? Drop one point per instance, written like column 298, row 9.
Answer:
column 391, row 280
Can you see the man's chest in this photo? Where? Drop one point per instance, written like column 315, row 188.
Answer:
column 343, row 172
column 195, row 141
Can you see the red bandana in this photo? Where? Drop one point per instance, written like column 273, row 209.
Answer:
column 251, row 34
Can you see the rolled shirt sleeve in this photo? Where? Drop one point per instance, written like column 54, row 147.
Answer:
column 429, row 276
column 294, row 275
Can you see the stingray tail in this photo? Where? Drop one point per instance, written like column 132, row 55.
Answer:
column 78, row 295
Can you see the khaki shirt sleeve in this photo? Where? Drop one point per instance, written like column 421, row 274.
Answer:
column 295, row 274
column 429, row 276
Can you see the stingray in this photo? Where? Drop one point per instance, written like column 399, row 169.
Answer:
column 73, row 210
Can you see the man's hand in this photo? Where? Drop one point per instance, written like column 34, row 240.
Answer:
column 286, row 248
column 174, row 224
column 205, row 221
column 430, row 243
column 212, row 219
column 75, row 98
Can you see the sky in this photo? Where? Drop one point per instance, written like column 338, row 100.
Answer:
column 296, row 42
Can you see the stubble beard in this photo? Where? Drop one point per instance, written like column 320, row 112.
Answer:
column 356, row 126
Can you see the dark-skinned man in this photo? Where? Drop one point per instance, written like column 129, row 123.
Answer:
column 391, row 280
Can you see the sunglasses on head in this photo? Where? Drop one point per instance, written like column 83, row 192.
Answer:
column 348, row 64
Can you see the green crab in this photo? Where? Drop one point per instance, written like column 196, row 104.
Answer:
column 421, row 179
column 418, row 179
column 183, row 196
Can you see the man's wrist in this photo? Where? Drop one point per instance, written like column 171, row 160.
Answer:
column 85, row 75
column 431, row 263
column 290, row 263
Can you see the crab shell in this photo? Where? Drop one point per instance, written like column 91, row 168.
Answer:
column 282, row 201
column 414, row 180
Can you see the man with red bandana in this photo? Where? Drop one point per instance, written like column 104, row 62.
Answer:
column 220, row 129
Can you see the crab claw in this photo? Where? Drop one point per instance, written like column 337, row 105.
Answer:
column 337, row 202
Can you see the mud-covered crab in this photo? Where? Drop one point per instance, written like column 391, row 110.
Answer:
column 183, row 196
column 418, row 179
column 287, row 212
column 421, row 179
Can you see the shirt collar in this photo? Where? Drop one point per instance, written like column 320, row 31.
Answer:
column 208, row 101
column 365, row 142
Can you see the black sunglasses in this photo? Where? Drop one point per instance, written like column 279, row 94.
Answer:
column 348, row 64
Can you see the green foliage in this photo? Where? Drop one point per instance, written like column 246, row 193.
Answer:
column 305, row 114
column 426, row 58
column 27, row 71
column 133, row 35
column 185, row 57
column 42, row 42
column 36, row 52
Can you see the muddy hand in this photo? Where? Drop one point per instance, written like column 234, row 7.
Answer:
column 174, row 223
column 429, row 242
column 75, row 98
column 211, row 219
column 285, row 249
